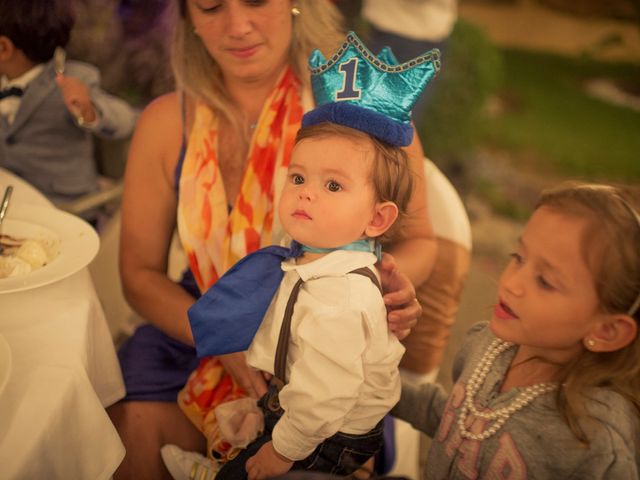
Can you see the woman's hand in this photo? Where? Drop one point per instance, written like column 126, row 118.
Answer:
column 400, row 297
column 249, row 379
column 267, row 463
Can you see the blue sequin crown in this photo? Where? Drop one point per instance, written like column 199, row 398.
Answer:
column 372, row 94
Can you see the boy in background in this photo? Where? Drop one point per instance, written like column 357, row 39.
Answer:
column 50, row 111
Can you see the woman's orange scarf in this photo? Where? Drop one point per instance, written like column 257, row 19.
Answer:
column 215, row 239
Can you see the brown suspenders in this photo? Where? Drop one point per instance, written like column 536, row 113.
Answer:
column 280, row 363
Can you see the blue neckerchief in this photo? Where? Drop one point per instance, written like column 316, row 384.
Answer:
column 227, row 316
column 364, row 245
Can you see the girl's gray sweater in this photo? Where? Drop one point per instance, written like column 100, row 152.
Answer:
column 534, row 443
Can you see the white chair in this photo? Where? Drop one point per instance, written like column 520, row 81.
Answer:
column 451, row 225
column 104, row 270
column 106, row 279
column 448, row 214
column 110, row 157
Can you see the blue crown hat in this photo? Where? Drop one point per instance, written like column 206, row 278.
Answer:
column 371, row 94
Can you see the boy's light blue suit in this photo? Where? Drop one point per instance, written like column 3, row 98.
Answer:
column 46, row 147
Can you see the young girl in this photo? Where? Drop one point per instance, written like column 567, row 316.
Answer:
column 550, row 387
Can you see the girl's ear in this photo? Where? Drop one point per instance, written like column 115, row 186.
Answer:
column 614, row 332
column 384, row 216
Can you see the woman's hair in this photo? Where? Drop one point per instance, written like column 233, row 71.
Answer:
column 391, row 174
column 37, row 27
column 319, row 26
column 611, row 250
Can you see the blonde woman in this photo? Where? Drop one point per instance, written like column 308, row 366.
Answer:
column 208, row 159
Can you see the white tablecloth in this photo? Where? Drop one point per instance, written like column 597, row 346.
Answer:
column 64, row 373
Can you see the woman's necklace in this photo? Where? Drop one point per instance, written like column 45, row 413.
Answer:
column 501, row 415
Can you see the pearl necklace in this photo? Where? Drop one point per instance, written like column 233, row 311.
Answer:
column 501, row 415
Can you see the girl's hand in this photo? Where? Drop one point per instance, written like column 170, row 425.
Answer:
column 267, row 463
column 249, row 379
column 400, row 297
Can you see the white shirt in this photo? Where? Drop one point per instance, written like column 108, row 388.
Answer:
column 416, row 19
column 9, row 105
column 342, row 363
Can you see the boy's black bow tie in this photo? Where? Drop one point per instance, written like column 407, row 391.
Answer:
column 11, row 92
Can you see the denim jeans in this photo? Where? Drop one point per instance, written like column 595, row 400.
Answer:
column 340, row 454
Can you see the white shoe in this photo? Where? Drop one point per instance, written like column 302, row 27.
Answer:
column 188, row 465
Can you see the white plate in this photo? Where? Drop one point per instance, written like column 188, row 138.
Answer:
column 5, row 362
column 78, row 243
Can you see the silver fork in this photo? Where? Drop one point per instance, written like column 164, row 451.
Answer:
column 3, row 208
column 59, row 60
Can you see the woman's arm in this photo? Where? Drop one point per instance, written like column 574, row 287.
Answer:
column 149, row 208
column 412, row 255
column 148, row 220
column 415, row 251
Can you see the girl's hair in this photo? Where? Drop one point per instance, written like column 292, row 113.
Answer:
column 37, row 27
column 611, row 250
column 391, row 175
column 319, row 26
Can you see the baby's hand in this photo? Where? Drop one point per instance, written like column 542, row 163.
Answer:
column 76, row 98
column 267, row 463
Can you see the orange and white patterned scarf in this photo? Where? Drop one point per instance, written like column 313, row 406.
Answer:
column 214, row 238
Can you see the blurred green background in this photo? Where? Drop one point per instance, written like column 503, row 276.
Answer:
column 517, row 109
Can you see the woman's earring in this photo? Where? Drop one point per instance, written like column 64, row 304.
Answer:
column 590, row 342
column 295, row 11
